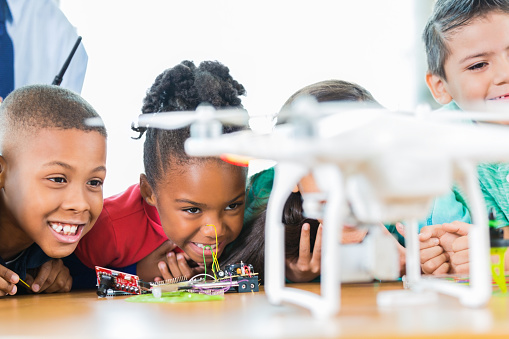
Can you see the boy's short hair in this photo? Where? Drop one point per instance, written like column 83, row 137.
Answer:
column 448, row 16
column 34, row 107
column 333, row 90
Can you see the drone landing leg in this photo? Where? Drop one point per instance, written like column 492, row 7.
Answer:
column 326, row 304
column 479, row 290
column 286, row 176
column 413, row 293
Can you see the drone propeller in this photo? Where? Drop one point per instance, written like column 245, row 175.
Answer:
column 308, row 109
column 203, row 114
column 478, row 111
column 477, row 116
column 310, row 119
column 94, row 122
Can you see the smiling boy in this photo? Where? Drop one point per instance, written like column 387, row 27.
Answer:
column 52, row 167
column 471, row 67
column 467, row 46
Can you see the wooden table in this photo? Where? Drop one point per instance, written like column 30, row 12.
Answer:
column 247, row 315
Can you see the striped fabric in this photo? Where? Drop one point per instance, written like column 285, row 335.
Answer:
column 494, row 180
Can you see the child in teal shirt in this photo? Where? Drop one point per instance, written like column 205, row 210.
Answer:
column 466, row 45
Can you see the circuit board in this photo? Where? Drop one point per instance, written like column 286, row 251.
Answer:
column 235, row 278
column 111, row 282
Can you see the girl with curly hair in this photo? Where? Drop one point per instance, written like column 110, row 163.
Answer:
column 168, row 225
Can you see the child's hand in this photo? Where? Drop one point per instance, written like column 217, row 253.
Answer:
column 163, row 264
column 459, row 246
column 176, row 265
column 434, row 260
column 8, row 281
column 307, row 266
column 51, row 277
column 147, row 268
column 452, row 254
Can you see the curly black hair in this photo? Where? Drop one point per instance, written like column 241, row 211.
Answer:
column 183, row 88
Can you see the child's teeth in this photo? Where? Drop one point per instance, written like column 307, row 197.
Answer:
column 64, row 229
column 206, row 246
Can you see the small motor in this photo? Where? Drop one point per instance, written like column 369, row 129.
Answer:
column 105, row 284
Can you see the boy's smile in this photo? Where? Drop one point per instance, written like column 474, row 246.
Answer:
column 198, row 202
column 52, row 189
column 67, row 231
column 477, row 68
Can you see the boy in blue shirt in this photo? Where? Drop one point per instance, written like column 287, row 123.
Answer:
column 52, row 167
column 468, row 69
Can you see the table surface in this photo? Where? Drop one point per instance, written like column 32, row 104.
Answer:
column 82, row 314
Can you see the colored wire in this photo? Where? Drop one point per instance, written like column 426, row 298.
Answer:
column 199, row 275
column 214, row 255
column 214, row 291
column 246, row 269
column 24, row 283
column 213, row 260
column 204, row 261
column 215, row 263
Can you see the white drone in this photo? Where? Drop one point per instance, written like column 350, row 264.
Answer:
column 389, row 166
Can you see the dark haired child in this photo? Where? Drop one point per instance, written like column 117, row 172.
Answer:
column 333, row 90
column 52, row 168
column 302, row 235
column 468, row 69
column 179, row 197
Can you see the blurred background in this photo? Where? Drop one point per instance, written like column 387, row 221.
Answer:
column 272, row 47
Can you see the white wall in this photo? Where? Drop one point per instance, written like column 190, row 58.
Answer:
column 272, row 47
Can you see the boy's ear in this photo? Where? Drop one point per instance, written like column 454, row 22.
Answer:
column 146, row 190
column 2, row 171
column 437, row 87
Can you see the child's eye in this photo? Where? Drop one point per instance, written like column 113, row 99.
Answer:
column 58, row 180
column 95, row 183
column 192, row 210
column 233, row 206
column 478, row 66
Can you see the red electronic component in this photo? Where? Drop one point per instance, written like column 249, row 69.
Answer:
column 116, row 281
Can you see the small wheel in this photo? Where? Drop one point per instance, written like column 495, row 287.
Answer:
column 157, row 292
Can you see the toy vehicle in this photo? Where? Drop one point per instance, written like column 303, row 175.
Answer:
column 236, row 269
